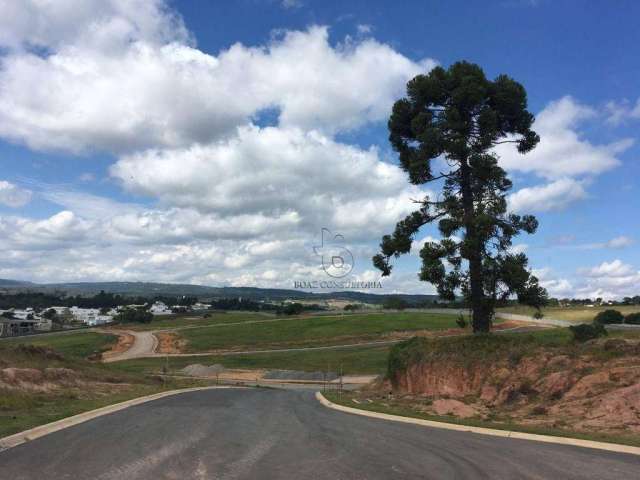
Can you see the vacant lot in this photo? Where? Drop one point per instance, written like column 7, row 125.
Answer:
column 75, row 344
column 571, row 314
column 39, row 385
column 361, row 360
column 192, row 320
column 312, row 331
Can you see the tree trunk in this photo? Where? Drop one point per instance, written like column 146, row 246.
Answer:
column 481, row 319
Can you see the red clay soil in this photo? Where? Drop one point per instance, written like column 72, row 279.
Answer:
column 169, row 342
column 585, row 391
column 124, row 343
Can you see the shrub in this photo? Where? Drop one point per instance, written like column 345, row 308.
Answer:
column 609, row 316
column 585, row 331
column 394, row 303
column 461, row 322
column 538, row 315
column 133, row 315
column 633, row 318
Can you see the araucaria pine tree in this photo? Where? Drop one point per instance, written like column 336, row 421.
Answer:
column 459, row 116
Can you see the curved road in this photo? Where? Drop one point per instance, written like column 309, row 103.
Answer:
column 144, row 345
column 284, row 434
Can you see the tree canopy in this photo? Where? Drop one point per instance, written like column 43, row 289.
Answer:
column 459, row 116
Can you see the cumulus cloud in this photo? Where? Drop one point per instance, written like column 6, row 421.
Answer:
column 609, row 280
column 552, row 196
column 13, row 196
column 155, row 89
column 100, row 24
column 276, row 172
column 564, row 158
column 562, row 151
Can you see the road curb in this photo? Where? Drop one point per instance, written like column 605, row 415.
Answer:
column 576, row 442
column 42, row 430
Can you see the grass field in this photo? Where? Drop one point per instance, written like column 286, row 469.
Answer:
column 570, row 314
column 52, row 387
column 362, row 360
column 312, row 331
column 75, row 344
column 192, row 320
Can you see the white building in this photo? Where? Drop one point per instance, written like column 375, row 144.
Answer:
column 90, row 316
column 159, row 308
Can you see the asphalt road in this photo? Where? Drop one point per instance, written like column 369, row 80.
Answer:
column 268, row 434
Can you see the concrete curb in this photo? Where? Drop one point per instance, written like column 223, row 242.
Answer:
column 42, row 430
column 612, row 447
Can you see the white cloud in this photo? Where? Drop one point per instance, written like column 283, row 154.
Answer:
column 155, row 89
column 609, row 269
column 619, row 242
column 562, row 151
column 276, row 172
column 13, row 196
column 101, row 24
column 552, row 196
column 287, row 4
column 609, row 280
column 619, row 112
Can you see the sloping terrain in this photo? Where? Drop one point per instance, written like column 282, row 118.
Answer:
column 535, row 380
column 40, row 385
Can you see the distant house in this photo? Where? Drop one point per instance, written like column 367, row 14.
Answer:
column 201, row 306
column 90, row 316
column 160, row 308
column 13, row 327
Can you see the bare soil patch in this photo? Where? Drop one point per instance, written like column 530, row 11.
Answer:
column 169, row 342
column 590, row 389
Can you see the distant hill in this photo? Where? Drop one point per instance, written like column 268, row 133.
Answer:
column 150, row 289
column 13, row 283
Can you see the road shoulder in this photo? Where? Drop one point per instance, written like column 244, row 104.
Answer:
column 576, row 442
column 42, row 430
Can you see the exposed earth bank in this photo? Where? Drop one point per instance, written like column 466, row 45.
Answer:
column 591, row 388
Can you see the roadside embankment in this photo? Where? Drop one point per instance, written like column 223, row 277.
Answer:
column 541, row 380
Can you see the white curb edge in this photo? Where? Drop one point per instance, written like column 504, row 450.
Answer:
column 42, row 430
column 612, row 447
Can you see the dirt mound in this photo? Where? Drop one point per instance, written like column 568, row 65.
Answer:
column 298, row 375
column 198, row 370
column 169, row 342
column 589, row 389
column 124, row 343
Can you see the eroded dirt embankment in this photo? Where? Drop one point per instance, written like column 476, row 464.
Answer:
column 594, row 387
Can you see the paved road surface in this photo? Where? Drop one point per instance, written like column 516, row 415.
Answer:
column 272, row 434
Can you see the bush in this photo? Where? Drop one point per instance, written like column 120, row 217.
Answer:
column 538, row 315
column 293, row 309
column 133, row 315
column 394, row 303
column 609, row 316
column 461, row 322
column 633, row 318
column 585, row 331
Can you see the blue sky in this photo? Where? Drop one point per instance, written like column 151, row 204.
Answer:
column 209, row 142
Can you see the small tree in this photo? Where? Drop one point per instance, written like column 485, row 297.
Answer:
column 585, row 331
column 394, row 303
column 460, row 115
column 609, row 316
